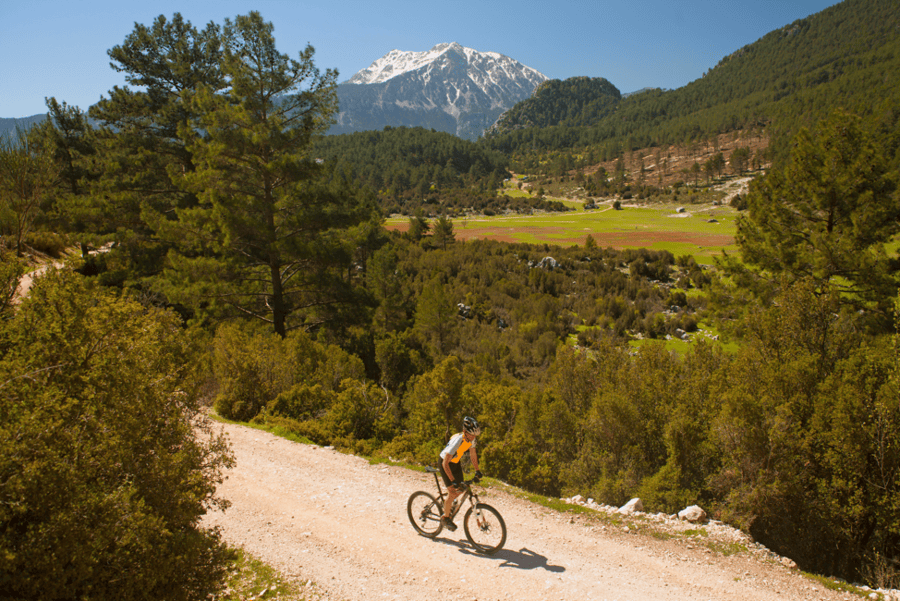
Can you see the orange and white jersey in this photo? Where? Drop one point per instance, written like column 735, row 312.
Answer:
column 457, row 447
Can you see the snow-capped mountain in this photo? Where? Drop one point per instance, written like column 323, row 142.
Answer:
column 448, row 88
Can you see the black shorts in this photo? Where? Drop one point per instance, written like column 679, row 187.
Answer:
column 456, row 473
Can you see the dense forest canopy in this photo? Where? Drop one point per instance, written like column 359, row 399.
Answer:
column 411, row 169
column 573, row 102
column 402, row 161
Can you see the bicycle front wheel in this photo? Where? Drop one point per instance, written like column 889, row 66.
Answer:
column 424, row 513
column 485, row 528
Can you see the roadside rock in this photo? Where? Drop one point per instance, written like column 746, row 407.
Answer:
column 693, row 514
column 788, row 563
column 632, row 506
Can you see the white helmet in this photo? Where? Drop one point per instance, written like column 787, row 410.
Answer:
column 470, row 425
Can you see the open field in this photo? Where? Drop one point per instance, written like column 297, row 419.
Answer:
column 702, row 230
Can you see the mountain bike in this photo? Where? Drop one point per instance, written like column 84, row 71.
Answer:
column 483, row 524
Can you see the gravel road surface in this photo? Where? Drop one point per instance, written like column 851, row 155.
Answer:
column 338, row 525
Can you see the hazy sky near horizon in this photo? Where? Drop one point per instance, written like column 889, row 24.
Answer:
column 54, row 48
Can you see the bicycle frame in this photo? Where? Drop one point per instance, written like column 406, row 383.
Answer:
column 468, row 495
column 483, row 525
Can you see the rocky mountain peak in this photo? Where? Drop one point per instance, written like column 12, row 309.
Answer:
column 449, row 88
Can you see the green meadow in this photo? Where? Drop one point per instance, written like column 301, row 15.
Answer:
column 703, row 231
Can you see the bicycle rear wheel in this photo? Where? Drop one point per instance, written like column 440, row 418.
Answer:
column 485, row 528
column 424, row 513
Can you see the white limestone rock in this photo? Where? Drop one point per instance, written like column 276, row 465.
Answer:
column 693, row 514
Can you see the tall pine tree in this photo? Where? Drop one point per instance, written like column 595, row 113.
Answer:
column 828, row 213
column 143, row 157
column 265, row 238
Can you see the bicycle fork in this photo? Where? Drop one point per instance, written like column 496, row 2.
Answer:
column 479, row 518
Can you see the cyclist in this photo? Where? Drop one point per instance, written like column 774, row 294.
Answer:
column 451, row 469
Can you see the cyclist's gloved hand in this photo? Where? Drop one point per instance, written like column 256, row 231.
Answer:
column 478, row 475
column 459, row 485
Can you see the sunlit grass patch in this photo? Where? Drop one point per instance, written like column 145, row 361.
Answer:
column 700, row 231
column 837, row 585
column 703, row 234
column 548, row 502
column 515, row 193
column 726, row 549
column 705, row 331
column 250, row 578
column 275, row 429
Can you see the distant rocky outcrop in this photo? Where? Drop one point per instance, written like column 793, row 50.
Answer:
column 547, row 263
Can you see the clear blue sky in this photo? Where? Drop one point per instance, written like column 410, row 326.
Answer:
column 55, row 48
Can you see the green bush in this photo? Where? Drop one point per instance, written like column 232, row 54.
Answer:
column 48, row 243
column 105, row 468
column 739, row 202
column 663, row 491
column 237, row 406
column 254, row 368
column 11, row 271
column 361, row 411
column 302, row 402
column 236, row 363
column 311, row 430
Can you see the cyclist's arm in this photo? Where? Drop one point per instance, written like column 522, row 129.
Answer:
column 473, row 455
column 446, row 464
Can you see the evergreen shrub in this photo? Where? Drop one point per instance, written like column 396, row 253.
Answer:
column 106, row 466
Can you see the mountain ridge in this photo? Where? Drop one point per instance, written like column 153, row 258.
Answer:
column 448, row 88
column 8, row 125
column 845, row 56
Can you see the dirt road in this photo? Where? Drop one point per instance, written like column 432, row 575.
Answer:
column 316, row 514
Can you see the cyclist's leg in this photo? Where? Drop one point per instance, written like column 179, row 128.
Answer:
column 455, row 475
column 448, row 504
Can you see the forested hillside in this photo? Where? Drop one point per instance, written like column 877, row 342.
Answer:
column 416, row 169
column 576, row 101
column 845, row 56
column 792, row 437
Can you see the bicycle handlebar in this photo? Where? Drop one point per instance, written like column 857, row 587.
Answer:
column 467, row 483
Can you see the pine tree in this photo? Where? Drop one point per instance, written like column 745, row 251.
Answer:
column 142, row 157
column 828, row 213
column 28, row 174
column 418, row 226
column 443, row 232
column 739, row 160
column 68, row 136
column 263, row 239
column 435, row 316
